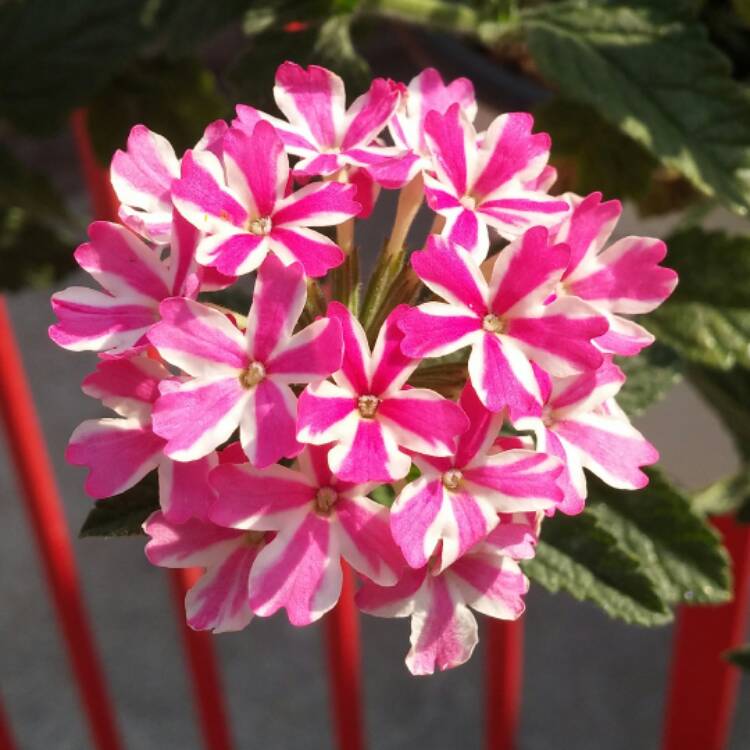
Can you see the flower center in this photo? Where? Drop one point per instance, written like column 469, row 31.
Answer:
column 367, row 406
column 325, row 499
column 469, row 202
column 259, row 226
column 452, row 479
column 493, row 324
column 548, row 417
column 253, row 375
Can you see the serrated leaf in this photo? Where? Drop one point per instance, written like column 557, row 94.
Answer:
column 54, row 56
column 707, row 318
column 676, row 547
column 577, row 555
column 740, row 657
column 175, row 99
column 660, row 80
column 123, row 515
column 651, row 375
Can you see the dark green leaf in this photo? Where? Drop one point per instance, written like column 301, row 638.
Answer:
column 577, row 555
column 123, row 515
column 175, row 99
column 659, row 80
column 707, row 319
column 650, row 377
column 676, row 547
column 740, row 657
column 54, row 56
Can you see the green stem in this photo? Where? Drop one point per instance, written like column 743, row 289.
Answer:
column 454, row 17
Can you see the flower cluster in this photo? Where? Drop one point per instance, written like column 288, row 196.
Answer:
column 419, row 438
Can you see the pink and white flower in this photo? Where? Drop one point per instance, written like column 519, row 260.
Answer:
column 368, row 412
column 456, row 501
column 120, row 451
column 582, row 425
column 427, row 92
column 245, row 209
column 494, row 183
column 134, row 280
column 318, row 127
column 506, row 322
column 487, row 579
column 319, row 521
column 625, row 278
column 219, row 601
column 142, row 177
column 241, row 380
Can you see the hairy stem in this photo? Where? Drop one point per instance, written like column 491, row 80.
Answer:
column 409, row 202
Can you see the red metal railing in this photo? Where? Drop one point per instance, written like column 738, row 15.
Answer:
column 703, row 686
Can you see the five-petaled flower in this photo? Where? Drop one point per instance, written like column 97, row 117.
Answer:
column 318, row 519
column 246, row 209
column 368, row 412
column 241, row 380
column 493, row 182
column 506, row 322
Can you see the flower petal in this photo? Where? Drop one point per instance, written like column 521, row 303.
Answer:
column 184, row 491
column 370, row 113
column 435, row 329
column 452, row 142
column 310, row 355
column 317, row 253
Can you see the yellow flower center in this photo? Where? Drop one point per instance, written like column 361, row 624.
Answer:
column 493, row 324
column 253, row 375
column 325, row 499
column 452, row 479
column 259, row 226
column 367, row 406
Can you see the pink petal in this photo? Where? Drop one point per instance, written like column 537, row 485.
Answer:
column 233, row 253
column 127, row 386
column 526, row 272
column 117, row 452
column 423, row 421
column 624, row 337
column 452, row 142
column 465, row 228
column 199, row 415
column 250, row 498
column 312, row 354
column 484, row 426
column 572, row 480
column 512, row 215
column 278, row 300
column 318, row 204
column 391, row 601
column 627, row 277
column 313, row 250
column 390, row 366
column 257, row 166
column 325, row 412
column 184, row 491
column 502, row 377
column 435, row 329
column 93, row 321
column 449, row 271
column 582, row 393
column 248, row 118
column 268, row 425
column 312, row 100
column 298, row 571
column 355, row 368
column 370, row 113
column 184, row 242
column 198, row 339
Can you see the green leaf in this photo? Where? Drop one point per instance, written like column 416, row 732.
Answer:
column 728, row 495
column 577, row 555
column 740, row 657
column 175, row 99
column 651, row 375
column 676, row 547
column 54, row 56
column 661, row 81
column 123, row 515
column 707, row 319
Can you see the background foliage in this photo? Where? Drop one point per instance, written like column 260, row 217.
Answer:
column 645, row 100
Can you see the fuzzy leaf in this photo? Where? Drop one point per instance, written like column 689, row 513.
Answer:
column 123, row 515
column 660, row 80
column 677, row 548
column 707, row 319
column 579, row 556
column 650, row 377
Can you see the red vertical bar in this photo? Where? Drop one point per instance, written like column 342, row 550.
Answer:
column 42, row 503
column 6, row 736
column 207, row 690
column 703, row 685
column 344, row 671
column 198, row 646
column 504, row 665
